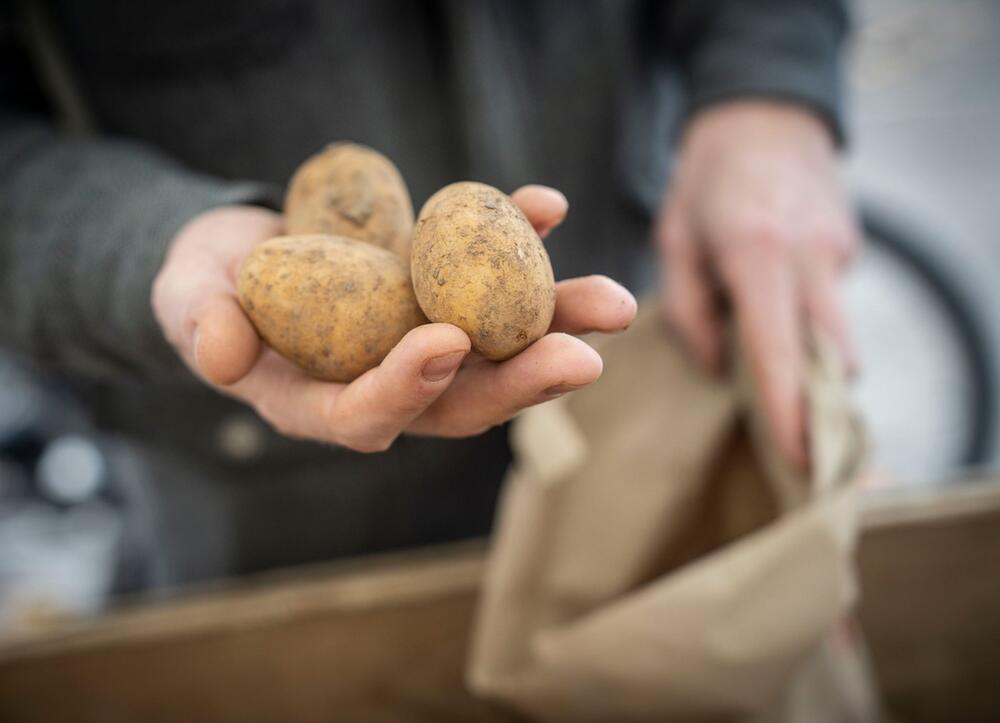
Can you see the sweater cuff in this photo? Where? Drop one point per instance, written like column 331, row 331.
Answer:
column 792, row 56
column 85, row 227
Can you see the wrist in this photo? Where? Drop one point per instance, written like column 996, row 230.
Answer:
column 759, row 119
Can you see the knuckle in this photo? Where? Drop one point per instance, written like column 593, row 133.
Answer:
column 753, row 242
column 364, row 438
column 766, row 237
column 276, row 420
column 416, row 402
column 448, row 422
column 828, row 247
column 829, row 235
column 402, row 400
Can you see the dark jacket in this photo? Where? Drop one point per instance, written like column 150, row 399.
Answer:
column 122, row 119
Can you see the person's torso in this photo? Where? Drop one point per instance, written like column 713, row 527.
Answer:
column 502, row 92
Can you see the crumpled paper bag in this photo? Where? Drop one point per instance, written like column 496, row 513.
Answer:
column 655, row 561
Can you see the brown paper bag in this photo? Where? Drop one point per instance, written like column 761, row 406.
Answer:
column 654, row 561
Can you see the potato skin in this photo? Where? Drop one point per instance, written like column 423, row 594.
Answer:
column 351, row 190
column 477, row 263
column 333, row 305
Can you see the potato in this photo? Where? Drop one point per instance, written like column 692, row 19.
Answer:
column 354, row 191
column 333, row 305
column 477, row 263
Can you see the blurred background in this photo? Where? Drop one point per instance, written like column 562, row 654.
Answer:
column 923, row 164
column 926, row 148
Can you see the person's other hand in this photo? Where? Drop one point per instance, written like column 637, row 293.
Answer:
column 429, row 383
column 757, row 208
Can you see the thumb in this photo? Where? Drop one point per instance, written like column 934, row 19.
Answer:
column 377, row 406
column 225, row 343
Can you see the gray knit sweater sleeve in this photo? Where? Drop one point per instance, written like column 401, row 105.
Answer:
column 782, row 49
column 84, row 226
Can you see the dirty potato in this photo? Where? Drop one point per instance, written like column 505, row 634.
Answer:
column 354, row 191
column 333, row 305
column 477, row 263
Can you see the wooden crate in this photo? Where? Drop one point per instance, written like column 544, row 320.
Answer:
column 376, row 640
column 930, row 576
column 384, row 639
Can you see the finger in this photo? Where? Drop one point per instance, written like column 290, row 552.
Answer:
column 225, row 343
column 592, row 303
column 689, row 302
column 484, row 395
column 545, row 207
column 824, row 308
column 369, row 413
column 373, row 410
column 764, row 292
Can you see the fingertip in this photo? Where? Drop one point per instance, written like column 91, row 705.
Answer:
column 595, row 366
column 620, row 303
column 590, row 365
column 428, row 354
column 540, row 196
column 434, row 339
column 592, row 303
column 628, row 308
column 225, row 345
column 544, row 206
column 578, row 362
column 450, row 333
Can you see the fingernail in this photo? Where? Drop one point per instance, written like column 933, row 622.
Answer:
column 440, row 367
column 559, row 389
